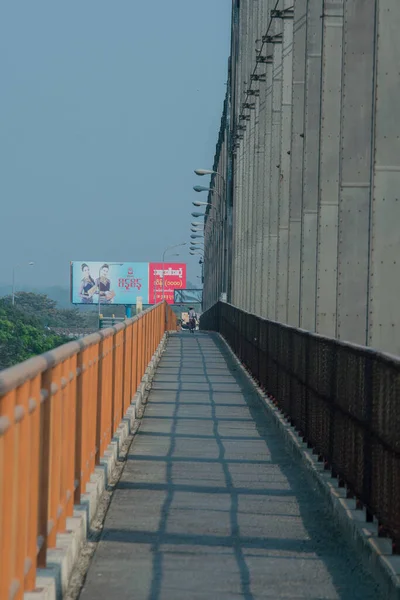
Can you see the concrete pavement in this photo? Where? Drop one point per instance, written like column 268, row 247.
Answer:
column 211, row 505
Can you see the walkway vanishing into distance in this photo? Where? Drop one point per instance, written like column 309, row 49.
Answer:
column 210, row 504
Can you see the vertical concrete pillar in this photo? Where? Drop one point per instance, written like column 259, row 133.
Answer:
column 258, row 85
column 276, row 33
column 245, row 144
column 311, row 164
column 296, row 166
column 250, row 160
column 240, row 163
column 384, row 289
column 355, row 169
column 284, row 170
column 267, row 162
column 328, row 201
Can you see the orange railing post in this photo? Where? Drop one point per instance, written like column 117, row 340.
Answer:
column 134, row 356
column 8, row 472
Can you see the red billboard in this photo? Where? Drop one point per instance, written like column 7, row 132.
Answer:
column 174, row 279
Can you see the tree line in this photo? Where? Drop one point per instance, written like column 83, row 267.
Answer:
column 26, row 327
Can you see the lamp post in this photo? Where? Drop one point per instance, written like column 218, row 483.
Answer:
column 218, row 237
column 163, row 264
column 30, row 264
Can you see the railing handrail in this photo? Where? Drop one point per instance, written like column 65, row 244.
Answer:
column 386, row 356
column 16, row 375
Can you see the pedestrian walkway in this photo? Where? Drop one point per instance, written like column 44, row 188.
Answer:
column 210, row 504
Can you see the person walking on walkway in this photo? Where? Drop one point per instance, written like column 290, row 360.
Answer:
column 192, row 320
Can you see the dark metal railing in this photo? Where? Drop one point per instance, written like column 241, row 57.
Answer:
column 343, row 399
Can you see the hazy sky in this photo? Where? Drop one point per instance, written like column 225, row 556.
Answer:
column 106, row 107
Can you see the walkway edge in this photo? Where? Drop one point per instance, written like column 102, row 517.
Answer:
column 52, row 582
column 375, row 552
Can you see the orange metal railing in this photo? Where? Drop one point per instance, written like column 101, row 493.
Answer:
column 58, row 413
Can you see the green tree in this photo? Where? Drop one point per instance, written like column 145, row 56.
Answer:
column 47, row 312
column 22, row 335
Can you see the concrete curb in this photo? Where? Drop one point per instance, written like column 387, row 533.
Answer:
column 143, row 390
column 375, row 552
column 52, row 582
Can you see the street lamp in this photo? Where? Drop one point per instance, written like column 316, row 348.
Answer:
column 202, row 188
column 163, row 261
column 30, row 264
column 200, row 203
column 224, row 210
column 202, row 172
column 197, row 214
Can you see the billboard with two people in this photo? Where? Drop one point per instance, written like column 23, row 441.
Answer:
column 122, row 283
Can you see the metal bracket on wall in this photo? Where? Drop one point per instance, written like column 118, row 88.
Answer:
column 249, row 105
column 286, row 13
column 266, row 60
column 273, row 39
column 255, row 77
column 253, row 92
column 324, row 16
